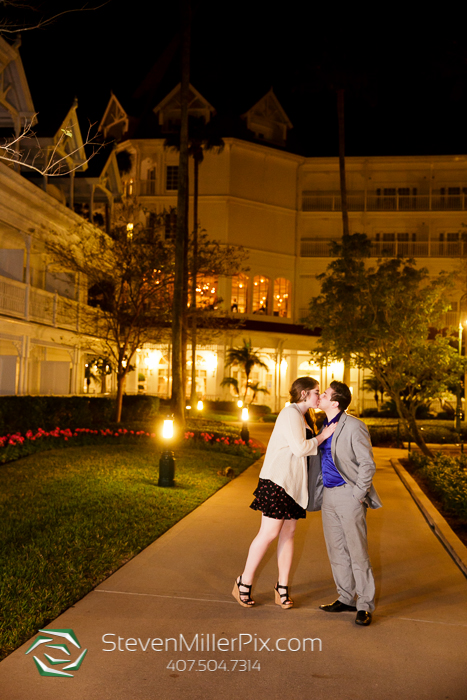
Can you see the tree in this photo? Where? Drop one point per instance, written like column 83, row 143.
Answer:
column 130, row 277
column 373, row 384
column 21, row 17
column 24, row 150
column 384, row 317
column 246, row 359
column 179, row 303
column 202, row 138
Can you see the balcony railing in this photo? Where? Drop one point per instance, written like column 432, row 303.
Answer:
column 30, row 303
column 397, row 202
column 319, row 248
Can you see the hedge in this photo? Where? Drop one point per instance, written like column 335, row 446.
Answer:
column 23, row 413
column 448, row 477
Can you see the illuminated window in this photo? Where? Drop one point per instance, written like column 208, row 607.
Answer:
column 206, row 291
column 260, row 294
column 171, row 182
column 238, row 303
column 282, row 298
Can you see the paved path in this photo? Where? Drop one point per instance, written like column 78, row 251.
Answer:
column 416, row 648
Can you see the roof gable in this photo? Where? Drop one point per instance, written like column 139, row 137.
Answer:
column 16, row 105
column 169, row 110
column 268, row 120
column 115, row 120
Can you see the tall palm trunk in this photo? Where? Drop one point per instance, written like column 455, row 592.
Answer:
column 194, row 273
column 343, row 188
column 178, row 398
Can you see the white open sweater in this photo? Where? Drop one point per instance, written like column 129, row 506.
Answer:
column 285, row 459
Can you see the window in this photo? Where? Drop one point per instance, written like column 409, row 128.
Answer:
column 260, row 294
column 282, row 300
column 170, row 224
column 171, row 182
column 148, row 187
column 239, row 299
column 206, row 291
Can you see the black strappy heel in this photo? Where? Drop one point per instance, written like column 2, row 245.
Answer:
column 287, row 602
column 244, row 599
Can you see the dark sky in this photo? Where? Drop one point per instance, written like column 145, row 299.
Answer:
column 405, row 79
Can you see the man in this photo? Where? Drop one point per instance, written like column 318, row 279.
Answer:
column 347, row 469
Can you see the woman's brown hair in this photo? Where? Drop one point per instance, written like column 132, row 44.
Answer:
column 305, row 384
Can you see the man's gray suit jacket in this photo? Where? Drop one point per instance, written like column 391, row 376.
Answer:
column 353, row 456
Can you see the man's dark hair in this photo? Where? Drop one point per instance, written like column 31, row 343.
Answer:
column 341, row 394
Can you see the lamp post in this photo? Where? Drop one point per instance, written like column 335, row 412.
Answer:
column 245, row 434
column 167, row 461
column 199, row 406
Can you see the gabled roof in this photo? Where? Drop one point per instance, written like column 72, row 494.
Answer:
column 16, row 105
column 270, row 109
column 197, row 104
column 67, row 140
column 114, row 116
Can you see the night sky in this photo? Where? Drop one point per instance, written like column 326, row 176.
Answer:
column 405, row 79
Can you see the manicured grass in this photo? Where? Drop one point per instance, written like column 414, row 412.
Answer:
column 69, row 518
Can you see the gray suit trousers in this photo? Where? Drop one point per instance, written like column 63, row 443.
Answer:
column 344, row 525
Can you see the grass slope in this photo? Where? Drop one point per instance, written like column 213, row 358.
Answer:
column 69, row 518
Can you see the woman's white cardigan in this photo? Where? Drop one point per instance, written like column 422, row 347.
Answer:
column 285, row 459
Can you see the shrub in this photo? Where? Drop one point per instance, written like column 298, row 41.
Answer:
column 448, row 478
column 258, row 410
column 370, row 413
column 270, row 418
column 23, row 413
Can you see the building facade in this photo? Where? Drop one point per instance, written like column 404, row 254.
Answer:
column 283, row 208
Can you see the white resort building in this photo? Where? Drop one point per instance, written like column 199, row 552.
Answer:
column 282, row 207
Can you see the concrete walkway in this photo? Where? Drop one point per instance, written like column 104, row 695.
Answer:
column 415, row 649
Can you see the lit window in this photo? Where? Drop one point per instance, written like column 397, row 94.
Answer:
column 282, row 298
column 171, row 182
column 239, row 297
column 260, row 294
column 206, row 291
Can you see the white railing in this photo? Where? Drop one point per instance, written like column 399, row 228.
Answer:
column 320, row 248
column 12, row 297
column 30, row 303
column 397, row 202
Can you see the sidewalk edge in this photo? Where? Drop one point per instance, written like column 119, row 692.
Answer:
column 453, row 545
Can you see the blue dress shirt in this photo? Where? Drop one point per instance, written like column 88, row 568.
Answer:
column 331, row 476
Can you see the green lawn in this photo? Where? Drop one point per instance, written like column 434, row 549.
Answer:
column 69, row 518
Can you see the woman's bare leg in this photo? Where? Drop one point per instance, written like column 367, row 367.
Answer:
column 269, row 530
column 285, row 548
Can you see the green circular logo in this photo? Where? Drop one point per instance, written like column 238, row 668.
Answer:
column 55, row 645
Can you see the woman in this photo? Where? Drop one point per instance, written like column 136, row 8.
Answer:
column 282, row 492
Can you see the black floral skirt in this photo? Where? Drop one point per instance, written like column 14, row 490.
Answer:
column 274, row 502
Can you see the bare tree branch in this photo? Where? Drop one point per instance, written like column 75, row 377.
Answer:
column 53, row 166
column 7, row 27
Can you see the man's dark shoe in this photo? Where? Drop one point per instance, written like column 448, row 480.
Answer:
column 363, row 618
column 337, row 606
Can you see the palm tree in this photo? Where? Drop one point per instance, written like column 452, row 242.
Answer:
column 245, row 358
column 202, row 138
column 179, row 304
column 373, row 384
